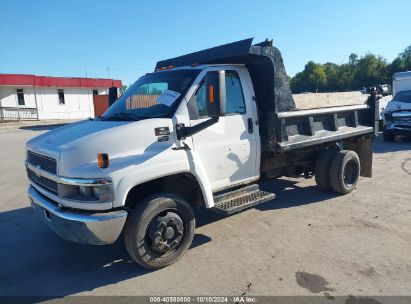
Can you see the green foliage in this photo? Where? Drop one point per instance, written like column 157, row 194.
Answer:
column 312, row 79
column 123, row 88
column 403, row 62
column 368, row 70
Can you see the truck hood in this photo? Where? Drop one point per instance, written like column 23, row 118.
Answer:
column 395, row 105
column 76, row 145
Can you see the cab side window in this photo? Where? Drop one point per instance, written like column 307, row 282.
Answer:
column 235, row 98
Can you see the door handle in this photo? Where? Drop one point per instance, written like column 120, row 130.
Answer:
column 250, row 125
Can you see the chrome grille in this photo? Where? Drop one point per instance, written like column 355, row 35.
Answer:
column 46, row 163
column 42, row 181
column 403, row 119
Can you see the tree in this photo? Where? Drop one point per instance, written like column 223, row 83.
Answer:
column 155, row 91
column 123, row 89
column 333, row 81
column 371, row 70
column 352, row 59
column 318, row 78
column 345, row 77
column 406, row 56
column 312, row 79
column 368, row 70
column 402, row 63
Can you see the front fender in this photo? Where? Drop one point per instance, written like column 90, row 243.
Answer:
column 166, row 163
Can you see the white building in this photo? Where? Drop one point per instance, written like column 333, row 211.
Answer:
column 42, row 97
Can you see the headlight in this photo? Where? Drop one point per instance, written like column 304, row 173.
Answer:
column 101, row 193
column 87, row 193
column 86, row 190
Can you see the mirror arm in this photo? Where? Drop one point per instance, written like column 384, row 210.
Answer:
column 183, row 132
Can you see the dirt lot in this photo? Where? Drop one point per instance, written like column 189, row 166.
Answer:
column 305, row 242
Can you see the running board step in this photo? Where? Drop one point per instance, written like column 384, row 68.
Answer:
column 240, row 199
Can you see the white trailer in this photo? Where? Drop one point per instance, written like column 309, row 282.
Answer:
column 401, row 82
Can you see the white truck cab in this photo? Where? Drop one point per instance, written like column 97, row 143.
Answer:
column 201, row 131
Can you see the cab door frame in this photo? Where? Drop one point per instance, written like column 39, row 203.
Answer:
column 230, row 159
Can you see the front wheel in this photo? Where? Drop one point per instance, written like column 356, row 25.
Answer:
column 159, row 230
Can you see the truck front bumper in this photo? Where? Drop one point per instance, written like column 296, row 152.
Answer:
column 79, row 227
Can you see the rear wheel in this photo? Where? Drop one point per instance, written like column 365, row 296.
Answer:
column 159, row 231
column 344, row 171
column 322, row 166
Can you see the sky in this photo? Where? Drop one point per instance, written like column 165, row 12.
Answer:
column 124, row 39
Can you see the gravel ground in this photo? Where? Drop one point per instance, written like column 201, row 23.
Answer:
column 306, row 242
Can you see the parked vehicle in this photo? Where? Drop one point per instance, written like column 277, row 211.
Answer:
column 397, row 114
column 401, row 82
column 203, row 130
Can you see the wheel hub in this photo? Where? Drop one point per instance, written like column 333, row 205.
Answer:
column 166, row 231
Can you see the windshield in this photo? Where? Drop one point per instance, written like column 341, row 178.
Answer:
column 403, row 96
column 153, row 95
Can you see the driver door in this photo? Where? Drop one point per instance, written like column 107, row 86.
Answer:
column 228, row 148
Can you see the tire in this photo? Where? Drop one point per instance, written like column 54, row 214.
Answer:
column 160, row 219
column 322, row 166
column 387, row 137
column 344, row 171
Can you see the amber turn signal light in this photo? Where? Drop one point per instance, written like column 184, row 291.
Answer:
column 102, row 160
column 211, row 93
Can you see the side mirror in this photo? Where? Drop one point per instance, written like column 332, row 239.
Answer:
column 215, row 93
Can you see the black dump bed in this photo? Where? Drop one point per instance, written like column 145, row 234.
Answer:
column 263, row 61
column 282, row 127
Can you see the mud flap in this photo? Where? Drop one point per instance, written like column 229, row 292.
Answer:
column 363, row 147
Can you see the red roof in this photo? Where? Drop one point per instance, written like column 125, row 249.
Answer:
column 62, row 82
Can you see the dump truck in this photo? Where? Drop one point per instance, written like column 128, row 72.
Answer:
column 203, row 130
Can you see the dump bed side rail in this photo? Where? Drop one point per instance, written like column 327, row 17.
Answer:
column 299, row 129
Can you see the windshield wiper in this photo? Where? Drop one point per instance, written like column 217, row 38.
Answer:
column 125, row 116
